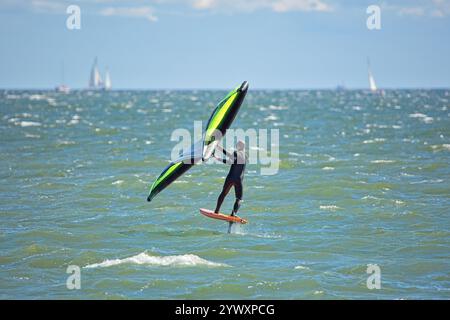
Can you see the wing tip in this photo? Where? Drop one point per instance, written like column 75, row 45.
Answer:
column 244, row 86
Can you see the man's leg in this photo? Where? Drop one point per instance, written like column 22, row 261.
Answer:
column 226, row 188
column 238, row 193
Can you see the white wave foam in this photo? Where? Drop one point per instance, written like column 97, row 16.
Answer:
column 368, row 197
column 274, row 107
column 75, row 120
column 188, row 260
column 441, row 146
column 35, row 136
column 376, row 140
column 422, row 117
column 427, row 181
column 28, row 124
column 331, row 207
column 417, row 115
column 37, row 97
column 65, row 142
column 271, row 117
column 382, row 161
column 318, row 292
column 300, row 267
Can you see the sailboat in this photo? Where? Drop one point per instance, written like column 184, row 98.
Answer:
column 63, row 88
column 107, row 81
column 372, row 84
column 95, row 80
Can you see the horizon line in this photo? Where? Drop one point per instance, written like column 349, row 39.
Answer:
column 335, row 88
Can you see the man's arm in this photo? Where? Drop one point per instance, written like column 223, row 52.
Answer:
column 220, row 159
column 225, row 152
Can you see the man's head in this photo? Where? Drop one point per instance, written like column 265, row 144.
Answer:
column 240, row 145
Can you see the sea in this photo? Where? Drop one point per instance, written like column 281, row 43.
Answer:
column 357, row 208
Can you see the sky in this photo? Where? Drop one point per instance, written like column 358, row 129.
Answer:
column 216, row 44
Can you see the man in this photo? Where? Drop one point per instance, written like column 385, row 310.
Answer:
column 237, row 158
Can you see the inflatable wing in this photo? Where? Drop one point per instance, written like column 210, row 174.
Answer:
column 220, row 120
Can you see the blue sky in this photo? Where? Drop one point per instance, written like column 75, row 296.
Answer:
column 219, row 43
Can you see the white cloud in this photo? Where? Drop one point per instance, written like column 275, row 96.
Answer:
column 39, row 6
column 140, row 9
column 134, row 12
column 442, row 8
column 429, row 8
column 412, row 11
column 292, row 5
column 252, row 5
column 204, row 4
column 42, row 6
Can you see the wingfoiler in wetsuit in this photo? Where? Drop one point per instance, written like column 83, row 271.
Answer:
column 234, row 178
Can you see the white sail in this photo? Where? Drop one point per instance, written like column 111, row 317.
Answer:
column 107, row 80
column 95, row 81
column 98, row 79
column 372, row 84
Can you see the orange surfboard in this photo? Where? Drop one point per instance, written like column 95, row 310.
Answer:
column 221, row 216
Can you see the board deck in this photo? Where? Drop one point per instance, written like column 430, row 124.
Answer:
column 220, row 216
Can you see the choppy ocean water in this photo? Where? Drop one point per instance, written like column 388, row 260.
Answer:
column 363, row 179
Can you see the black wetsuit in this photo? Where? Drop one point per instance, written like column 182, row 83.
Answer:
column 234, row 178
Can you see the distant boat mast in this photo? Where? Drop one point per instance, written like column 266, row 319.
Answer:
column 63, row 78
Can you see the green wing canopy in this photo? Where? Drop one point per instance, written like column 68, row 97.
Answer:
column 218, row 115
column 222, row 117
column 219, row 121
column 176, row 169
